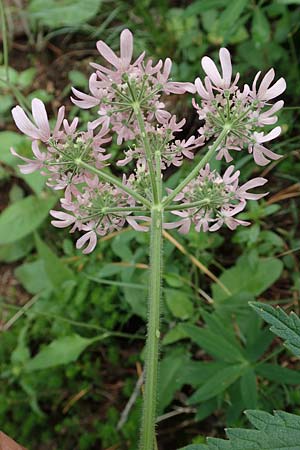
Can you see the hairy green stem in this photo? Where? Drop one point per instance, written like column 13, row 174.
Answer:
column 152, row 345
column 115, row 181
column 206, row 158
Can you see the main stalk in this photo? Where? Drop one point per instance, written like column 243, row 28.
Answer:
column 153, row 332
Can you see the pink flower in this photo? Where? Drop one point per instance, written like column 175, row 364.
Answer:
column 126, row 50
column 261, row 153
column 32, row 164
column 265, row 92
column 209, row 67
column 39, row 129
column 89, row 238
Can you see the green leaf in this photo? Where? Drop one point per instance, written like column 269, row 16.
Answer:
column 274, row 372
column 249, row 389
column 33, row 277
column 283, row 325
column 174, row 334
column 206, row 409
column 17, row 250
column 218, row 383
column 61, row 351
column 57, row 272
column 196, row 373
column 261, row 30
column 59, row 13
column 280, row 431
column 179, row 304
column 247, row 277
column 231, row 14
column 214, row 343
column 170, row 380
column 23, row 217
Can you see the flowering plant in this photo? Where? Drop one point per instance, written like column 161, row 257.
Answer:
column 130, row 99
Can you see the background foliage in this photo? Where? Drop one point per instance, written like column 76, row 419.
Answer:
column 72, row 326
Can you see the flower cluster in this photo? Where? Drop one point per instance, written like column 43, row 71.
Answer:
column 129, row 96
column 96, row 209
column 131, row 86
column 211, row 200
column 245, row 111
column 62, row 146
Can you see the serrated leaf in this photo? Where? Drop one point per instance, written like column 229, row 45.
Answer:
column 218, row 383
column 280, row 431
column 61, row 351
column 23, row 217
column 283, row 325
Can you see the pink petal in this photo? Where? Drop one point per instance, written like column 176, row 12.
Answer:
column 266, row 81
column 41, row 118
column 126, row 47
column 59, row 120
column 277, row 89
column 24, row 124
column 108, row 54
column 211, row 70
column 201, row 90
column 226, row 66
column 89, row 237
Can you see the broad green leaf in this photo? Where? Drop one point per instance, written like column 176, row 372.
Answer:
column 214, row 344
column 59, row 13
column 218, row 383
column 280, row 431
column 61, row 351
column 283, row 325
column 16, row 250
column 33, row 277
column 57, row 272
column 170, row 380
column 23, row 217
column 247, row 277
column 174, row 335
column 249, row 389
column 274, row 372
column 178, row 303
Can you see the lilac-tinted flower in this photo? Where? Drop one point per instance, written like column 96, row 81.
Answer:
column 89, row 238
column 247, row 111
column 218, row 81
column 211, row 200
column 262, row 155
column 265, row 92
